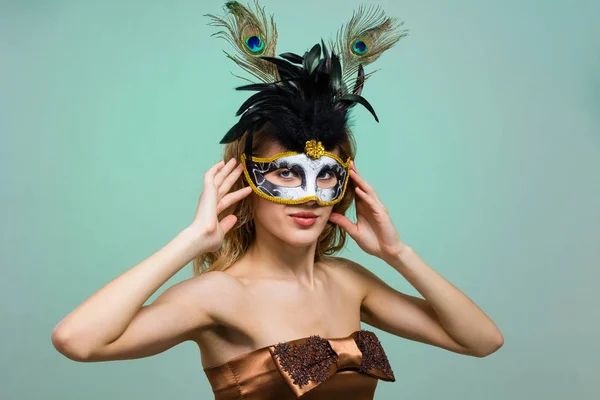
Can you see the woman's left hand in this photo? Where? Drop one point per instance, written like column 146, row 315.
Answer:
column 373, row 231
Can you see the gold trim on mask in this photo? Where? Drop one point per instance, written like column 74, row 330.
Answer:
column 256, row 190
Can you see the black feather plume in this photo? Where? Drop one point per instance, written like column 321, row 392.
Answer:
column 310, row 101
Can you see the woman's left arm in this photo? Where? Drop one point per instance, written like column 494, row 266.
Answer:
column 446, row 317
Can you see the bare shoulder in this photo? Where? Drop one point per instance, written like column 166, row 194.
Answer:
column 209, row 292
column 354, row 269
column 202, row 285
column 365, row 280
column 352, row 272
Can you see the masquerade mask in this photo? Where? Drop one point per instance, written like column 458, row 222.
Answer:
column 293, row 178
column 304, row 98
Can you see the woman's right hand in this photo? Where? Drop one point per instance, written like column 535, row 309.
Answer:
column 213, row 200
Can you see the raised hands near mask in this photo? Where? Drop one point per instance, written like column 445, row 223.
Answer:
column 215, row 198
column 373, row 231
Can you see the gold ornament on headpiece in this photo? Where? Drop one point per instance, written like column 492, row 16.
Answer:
column 314, row 149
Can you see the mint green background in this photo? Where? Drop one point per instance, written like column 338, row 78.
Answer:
column 487, row 156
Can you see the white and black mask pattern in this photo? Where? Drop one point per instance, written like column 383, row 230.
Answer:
column 298, row 178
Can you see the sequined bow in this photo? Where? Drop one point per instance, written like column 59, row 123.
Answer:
column 308, row 362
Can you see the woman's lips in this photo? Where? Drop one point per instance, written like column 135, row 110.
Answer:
column 304, row 221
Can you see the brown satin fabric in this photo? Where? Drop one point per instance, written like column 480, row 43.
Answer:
column 256, row 376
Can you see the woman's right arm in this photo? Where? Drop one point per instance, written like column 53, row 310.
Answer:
column 113, row 324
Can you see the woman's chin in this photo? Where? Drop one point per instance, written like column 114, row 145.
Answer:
column 301, row 237
column 301, row 244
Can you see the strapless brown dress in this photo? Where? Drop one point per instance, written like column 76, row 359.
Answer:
column 313, row 368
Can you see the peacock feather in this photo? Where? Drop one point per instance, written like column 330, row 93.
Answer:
column 363, row 39
column 252, row 36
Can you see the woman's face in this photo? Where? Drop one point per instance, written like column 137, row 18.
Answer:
column 279, row 220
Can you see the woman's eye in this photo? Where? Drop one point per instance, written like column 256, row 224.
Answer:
column 328, row 175
column 284, row 173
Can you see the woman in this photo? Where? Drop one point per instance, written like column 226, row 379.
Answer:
column 275, row 316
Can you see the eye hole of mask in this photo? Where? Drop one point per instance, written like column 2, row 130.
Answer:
column 294, row 176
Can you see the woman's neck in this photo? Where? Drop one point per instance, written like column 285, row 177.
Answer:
column 268, row 256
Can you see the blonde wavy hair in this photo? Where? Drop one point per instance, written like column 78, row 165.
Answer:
column 242, row 234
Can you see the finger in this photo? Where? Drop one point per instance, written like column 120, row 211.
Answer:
column 230, row 180
column 365, row 196
column 208, row 195
column 360, row 204
column 374, row 204
column 233, row 197
column 344, row 223
column 210, row 173
column 227, row 223
column 361, row 182
column 224, row 171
